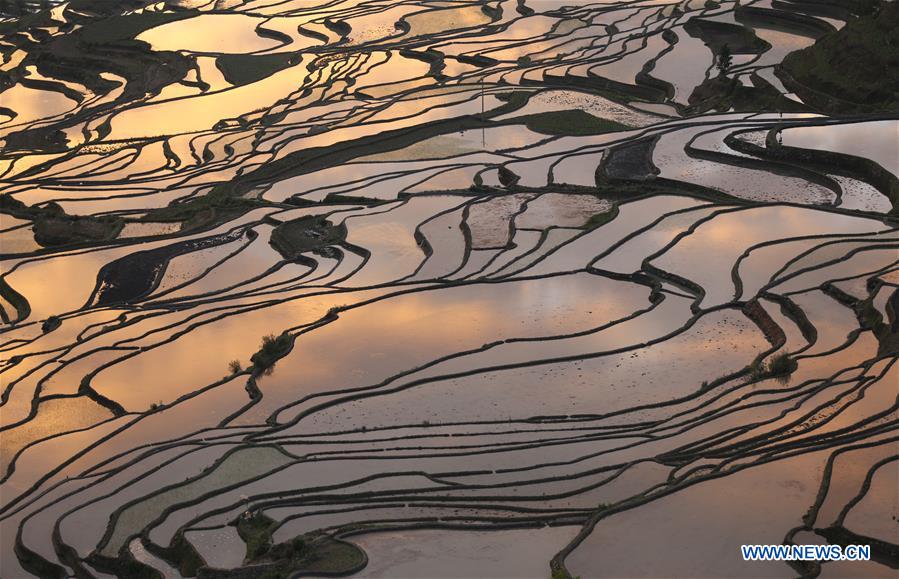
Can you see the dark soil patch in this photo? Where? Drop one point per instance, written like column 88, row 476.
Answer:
column 240, row 69
column 134, row 276
column 632, row 161
column 739, row 39
column 722, row 93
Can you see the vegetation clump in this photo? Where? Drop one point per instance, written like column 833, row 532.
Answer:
column 20, row 7
column 310, row 554
column 223, row 202
column 256, row 531
column 723, row 93
column 64, row 229
column 54, row 227
column 599, row 219
column 724, row 60
column 726, row 37
column 780, row 365
column 235, row 367
column 843, row 72
column 296, row 547
column 100, row 41
column 51, row 324
column 125, row 566
column 272, row 349
column 573, row 122
column 292, row 238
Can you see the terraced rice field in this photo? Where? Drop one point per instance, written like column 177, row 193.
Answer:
column 455, row 288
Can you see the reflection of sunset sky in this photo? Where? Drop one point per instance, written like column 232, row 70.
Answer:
column 210, row 33
column 34, row 464
column 434, row 22
column 200, row 113
column 54, row 416
column 720, row 514
column 877, row 140
column 201, row 356
column 31, row 104
column 743, row 182
column 732, row 233
column 720, row 343
column 782, row 43
column 366, row 346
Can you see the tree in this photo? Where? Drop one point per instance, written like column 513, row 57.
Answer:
column 724, row 61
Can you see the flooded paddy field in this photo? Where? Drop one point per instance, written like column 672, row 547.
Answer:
column 462, row 288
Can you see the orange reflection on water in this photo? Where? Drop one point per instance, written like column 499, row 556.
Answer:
column 209, row 33
column 202, row 112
